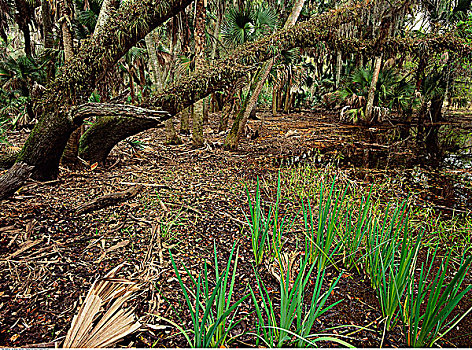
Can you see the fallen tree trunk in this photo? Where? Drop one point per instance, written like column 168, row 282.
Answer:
column 108, row 200
column 117, row 122
column 14, row 178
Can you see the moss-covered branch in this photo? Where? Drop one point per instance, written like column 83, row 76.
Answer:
column 78, row 114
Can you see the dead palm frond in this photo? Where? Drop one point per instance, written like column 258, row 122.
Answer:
column 88, row 329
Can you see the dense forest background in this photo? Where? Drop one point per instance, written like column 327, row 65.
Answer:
column 374, row 61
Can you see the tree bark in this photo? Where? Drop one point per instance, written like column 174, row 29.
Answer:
column 171, row 135
column 67, row 37
column 232, row 140
column 197, row 112
column 14, row 178
column 184, row 121
column 153, row 61
column 108, row 6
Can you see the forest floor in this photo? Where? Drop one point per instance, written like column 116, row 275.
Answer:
column 196, row 199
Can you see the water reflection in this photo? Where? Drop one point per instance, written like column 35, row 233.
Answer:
column 436, row 159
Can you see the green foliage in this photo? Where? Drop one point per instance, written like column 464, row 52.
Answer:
column 211, row 310
column 393, row 91
column 320, row 242
column 248, row 24
column 427, row 308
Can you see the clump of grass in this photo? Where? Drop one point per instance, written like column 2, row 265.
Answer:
column 293, row 324
column 320, row 237
column 260, row 224
column 428, row 307
column 352, row 238
column 211, row 311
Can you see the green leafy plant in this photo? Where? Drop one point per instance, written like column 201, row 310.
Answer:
column 353, row 235
column 397, row 276
column 427, row 309
column 248, row 23
column 259, row 223
column 211, row 310
column 281, row 328
column 381, row 244
column 320, row 244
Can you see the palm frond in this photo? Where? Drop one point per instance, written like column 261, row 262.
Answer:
column 88, row 329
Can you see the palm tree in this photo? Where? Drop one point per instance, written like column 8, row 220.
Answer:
column 248, row 24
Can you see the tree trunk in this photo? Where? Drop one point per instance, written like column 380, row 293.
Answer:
column 197, row 113
column 372, row 89
column 185, row 121
column 153, row 61
column 117, row 122
column 240, row 121
column 72, row 147
column 171, row 135
column 22, row 18
column 13, row 179
column 67, row 38
column 48, row 39
column 98, row 141
column 274, row 99
column 225, row 113
column 339, row 66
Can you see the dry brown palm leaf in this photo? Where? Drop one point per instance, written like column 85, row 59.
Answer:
column 88, row 329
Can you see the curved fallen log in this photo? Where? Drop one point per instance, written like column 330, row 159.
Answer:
column 98, row 141
column 14, row 178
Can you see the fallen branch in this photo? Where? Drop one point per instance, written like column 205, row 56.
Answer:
column 108, row 200
column 79, row 113
column 14, row 178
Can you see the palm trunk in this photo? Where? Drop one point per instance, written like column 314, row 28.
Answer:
column 373, row 88
column 171, row 135
column 153, row 61
column 67, row 37
column 185, row 121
